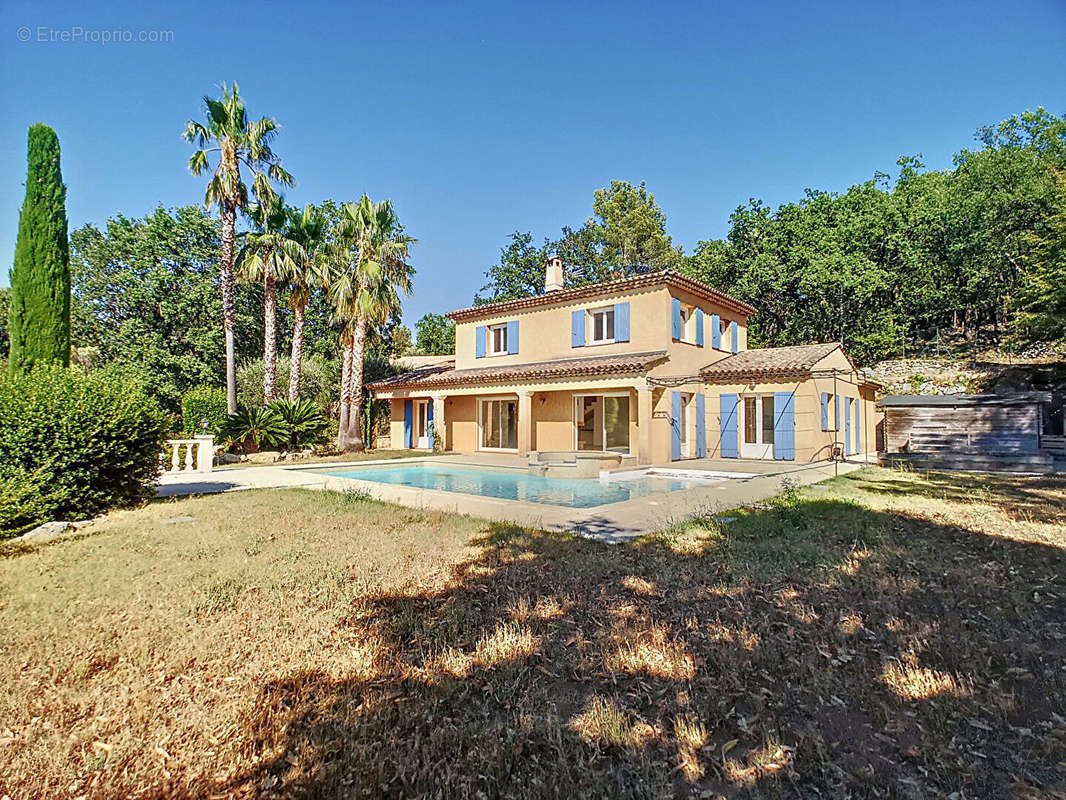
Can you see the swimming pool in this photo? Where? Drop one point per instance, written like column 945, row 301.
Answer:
column 568, row 492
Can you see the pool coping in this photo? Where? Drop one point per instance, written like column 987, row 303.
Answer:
column 612, row 522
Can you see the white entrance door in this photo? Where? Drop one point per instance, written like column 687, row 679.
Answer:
column 422, row 424
column 757, row 426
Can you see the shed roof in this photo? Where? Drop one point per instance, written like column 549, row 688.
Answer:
column 963, row 400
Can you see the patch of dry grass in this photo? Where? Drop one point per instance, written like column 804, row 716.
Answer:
column 896, row 635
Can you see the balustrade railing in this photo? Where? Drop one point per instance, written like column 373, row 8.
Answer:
column 188, row 455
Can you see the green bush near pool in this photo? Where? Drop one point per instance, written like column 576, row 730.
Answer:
column 73, row 445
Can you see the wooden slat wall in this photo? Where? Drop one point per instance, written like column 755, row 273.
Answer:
column 989, row 430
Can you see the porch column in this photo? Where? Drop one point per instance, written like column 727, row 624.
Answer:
column 525, row 422
column 438, row 423
column 644, row 424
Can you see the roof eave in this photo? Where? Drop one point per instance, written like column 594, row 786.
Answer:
column 663, row 277
column 745, row 376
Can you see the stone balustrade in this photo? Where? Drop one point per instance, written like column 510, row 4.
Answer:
column 188, row 455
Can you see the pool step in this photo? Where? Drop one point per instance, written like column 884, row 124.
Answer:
column 571, row 463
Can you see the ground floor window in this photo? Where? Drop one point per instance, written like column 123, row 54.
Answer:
column 602, row 422
column 499, row 424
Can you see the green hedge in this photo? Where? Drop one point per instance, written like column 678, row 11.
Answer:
column 203, row 402
column 73, row 445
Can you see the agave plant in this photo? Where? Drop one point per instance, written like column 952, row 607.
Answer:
column 260, row 426
column 303, row 421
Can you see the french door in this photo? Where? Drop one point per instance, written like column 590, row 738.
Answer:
column 498, row 423
column 757, row 426
column 686, row 440
column 601, row 422
column 422, row 424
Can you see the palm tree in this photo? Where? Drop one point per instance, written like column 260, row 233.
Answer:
column 308, row 229
column 239, row 143
column 270, row 254
column 365, row 289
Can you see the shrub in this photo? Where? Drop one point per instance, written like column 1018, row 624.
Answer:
column 304, row 423
column 87, row 442
column 203, row 402
column 319, row 382
column 27, row 499
column 260, row 426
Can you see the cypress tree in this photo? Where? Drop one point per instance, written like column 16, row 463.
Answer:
column 39, row 314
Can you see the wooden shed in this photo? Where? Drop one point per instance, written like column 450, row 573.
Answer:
column 969, row 432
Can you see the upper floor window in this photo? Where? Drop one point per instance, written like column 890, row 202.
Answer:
column 602, row 320
column 723, row 332
column 601, row 325
column 688, row 323
column 497, row 339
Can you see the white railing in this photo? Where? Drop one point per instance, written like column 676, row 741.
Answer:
column 188, row 455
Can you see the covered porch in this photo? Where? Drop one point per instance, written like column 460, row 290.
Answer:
column 595, row 417
column 595, row 404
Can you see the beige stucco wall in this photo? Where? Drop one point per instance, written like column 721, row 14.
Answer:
column 553, row 418
column 553, row 426
column 544, row 332
column 460, row 422
column 553, row 415
column 812, row 443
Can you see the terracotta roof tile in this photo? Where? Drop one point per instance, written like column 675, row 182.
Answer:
column 666, row 277
column 769, row 361
column 443, row 375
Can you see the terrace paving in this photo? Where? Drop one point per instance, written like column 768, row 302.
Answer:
column 615, row 522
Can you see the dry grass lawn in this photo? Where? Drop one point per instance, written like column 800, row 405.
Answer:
column 892, row 635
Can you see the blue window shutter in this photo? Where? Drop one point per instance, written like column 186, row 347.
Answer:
column 728, row 444
column 734, row 337
column 675, row 325
column 784, row 426
column 429, row 422
column 698, row 322
column 675, row 426
column 512, row 337
column 621, row 322
column 836, row 415
column 407, row 423
column 847, row 426
column 479, row 341
column 858, row 426
column 577, row 328
column 701, row 426
column 825, row 411
column 716, row 332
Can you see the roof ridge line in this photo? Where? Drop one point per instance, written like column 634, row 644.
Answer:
column 664, row 276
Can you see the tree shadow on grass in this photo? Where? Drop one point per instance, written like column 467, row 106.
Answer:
column 1039, row 499
column 817, row 649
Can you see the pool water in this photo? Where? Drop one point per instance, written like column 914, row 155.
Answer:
column 568, row 492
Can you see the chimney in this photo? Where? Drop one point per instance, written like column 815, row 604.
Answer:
column 553, row 274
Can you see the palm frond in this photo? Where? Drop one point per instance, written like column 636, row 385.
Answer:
column 199, row 163
column 217, row 113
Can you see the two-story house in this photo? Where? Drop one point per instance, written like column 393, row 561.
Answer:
column 653, row 367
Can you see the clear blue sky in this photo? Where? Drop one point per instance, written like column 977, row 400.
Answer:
column 478, row 119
